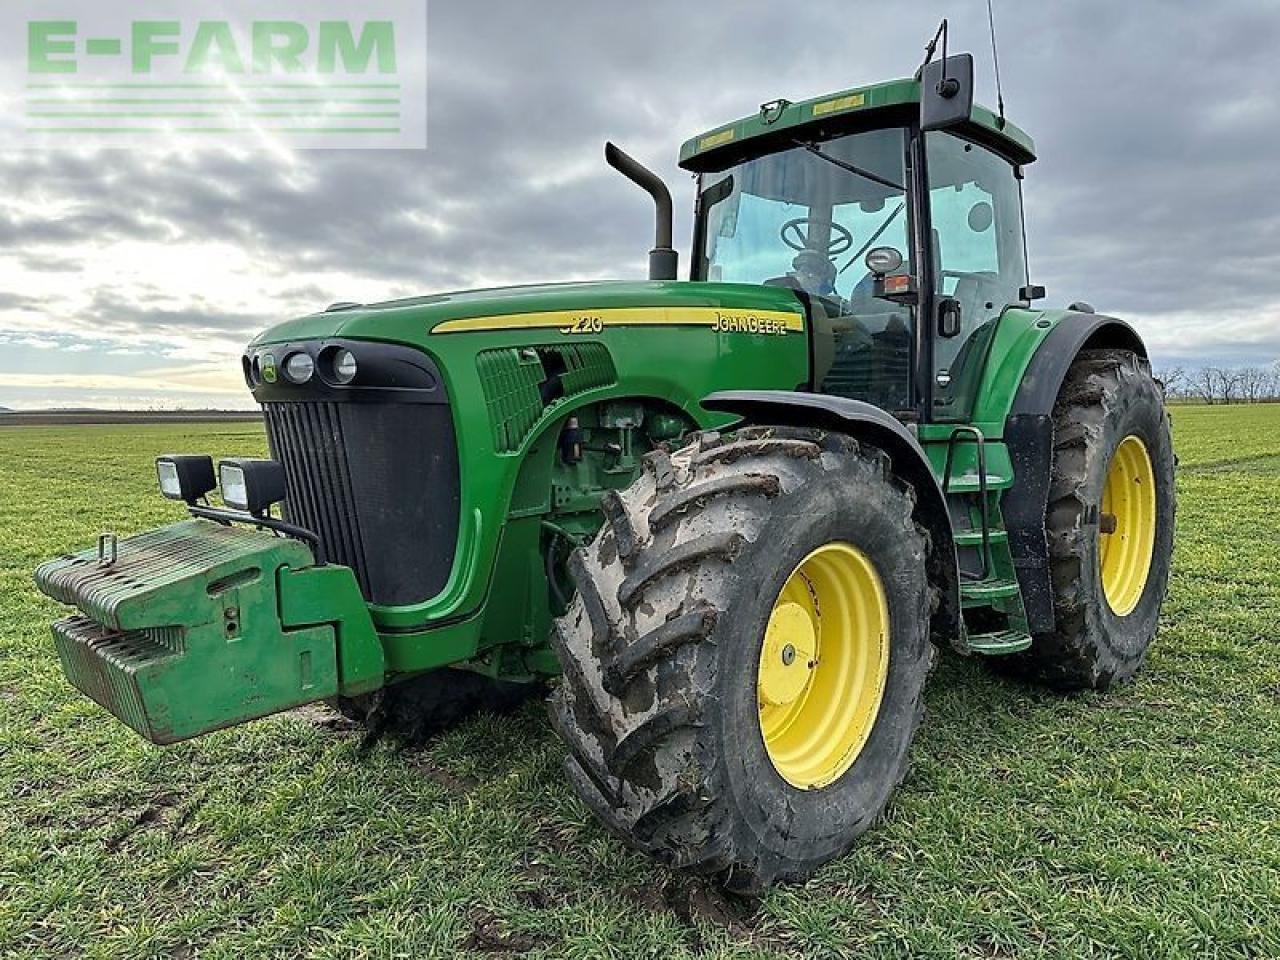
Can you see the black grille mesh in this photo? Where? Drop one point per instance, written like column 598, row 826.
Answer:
column 378, row 483
column 307, row 439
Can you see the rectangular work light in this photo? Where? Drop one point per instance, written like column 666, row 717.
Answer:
column 185, row 477
column 251, row 485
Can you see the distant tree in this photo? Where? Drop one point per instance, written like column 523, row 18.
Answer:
column 1204, row 384
column 1253, row 383
column 1227, row 382
column 1173, row 380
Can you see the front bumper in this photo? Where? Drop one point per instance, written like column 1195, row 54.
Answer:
column 198, row 626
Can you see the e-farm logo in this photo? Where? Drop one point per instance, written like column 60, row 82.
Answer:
column 301, row 73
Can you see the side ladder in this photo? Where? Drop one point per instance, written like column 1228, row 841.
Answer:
column 995, row 620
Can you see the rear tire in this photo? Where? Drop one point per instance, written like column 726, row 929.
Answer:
column 1108, row 420
column 661, row 702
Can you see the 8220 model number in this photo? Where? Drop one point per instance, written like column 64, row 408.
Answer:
column 584, row 325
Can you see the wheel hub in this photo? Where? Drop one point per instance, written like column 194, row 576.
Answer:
column 790, row 643
column 1127, row 525
column 824, row 662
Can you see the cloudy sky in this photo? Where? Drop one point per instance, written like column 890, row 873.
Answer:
column 133, row 278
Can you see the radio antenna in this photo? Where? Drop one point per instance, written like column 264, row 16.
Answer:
column 995, row 61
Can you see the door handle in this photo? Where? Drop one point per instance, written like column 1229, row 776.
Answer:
column 949, row 317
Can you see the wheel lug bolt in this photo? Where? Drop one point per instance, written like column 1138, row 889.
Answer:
column 788, row 655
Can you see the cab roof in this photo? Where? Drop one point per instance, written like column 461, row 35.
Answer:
column 727, row 144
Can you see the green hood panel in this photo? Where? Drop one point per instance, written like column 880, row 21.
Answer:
column 411, row 320
column 666, row 344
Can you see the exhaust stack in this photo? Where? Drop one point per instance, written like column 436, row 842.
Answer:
column 663, row 259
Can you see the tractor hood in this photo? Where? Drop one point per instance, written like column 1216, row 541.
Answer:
column 408, row 321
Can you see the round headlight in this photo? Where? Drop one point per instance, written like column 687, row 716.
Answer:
column 344, row 366
column 299, row 367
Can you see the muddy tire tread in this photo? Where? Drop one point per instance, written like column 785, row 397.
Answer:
column 638, row 632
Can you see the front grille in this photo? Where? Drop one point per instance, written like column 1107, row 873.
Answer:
column 378, row 483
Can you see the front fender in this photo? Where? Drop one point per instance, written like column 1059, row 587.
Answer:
column 867, row 422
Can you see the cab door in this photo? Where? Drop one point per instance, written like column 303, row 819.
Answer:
column 978, row 262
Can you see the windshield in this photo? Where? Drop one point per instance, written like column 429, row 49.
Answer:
column 803, row 218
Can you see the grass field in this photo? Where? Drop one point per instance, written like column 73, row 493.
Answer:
column 1142, row 823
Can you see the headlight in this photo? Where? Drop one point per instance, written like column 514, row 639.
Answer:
column 251, row 485
column 299, row 367
column 185, row 477
column 344, row 366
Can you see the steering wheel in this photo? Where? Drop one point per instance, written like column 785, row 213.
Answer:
column 842, row 241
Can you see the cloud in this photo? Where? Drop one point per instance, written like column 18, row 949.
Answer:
column 16, row 302
column 1152, row 198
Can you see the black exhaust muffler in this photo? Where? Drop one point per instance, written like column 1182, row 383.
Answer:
column 664, row 262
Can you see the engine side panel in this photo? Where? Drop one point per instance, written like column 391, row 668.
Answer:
column 514, row 379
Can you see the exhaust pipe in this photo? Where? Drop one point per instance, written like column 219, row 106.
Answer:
column 663, row 259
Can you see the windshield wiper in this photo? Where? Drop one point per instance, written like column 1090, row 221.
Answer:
column 845, row 165
column 874, row 237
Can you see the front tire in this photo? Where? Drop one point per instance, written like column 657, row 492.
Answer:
column 685, row 737
column 1110, row 523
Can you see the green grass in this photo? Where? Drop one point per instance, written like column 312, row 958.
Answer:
column 1143, row 823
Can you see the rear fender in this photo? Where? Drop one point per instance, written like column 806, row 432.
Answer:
column 864, row 421
column 1028, row 434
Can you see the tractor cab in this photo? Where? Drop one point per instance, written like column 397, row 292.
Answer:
column 903, row 235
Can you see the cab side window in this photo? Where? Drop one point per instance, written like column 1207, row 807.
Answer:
column 978, row 258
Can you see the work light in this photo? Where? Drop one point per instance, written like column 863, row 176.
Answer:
column 299, row 367
column 251, row 485
column 185, row 477
column 883, row 260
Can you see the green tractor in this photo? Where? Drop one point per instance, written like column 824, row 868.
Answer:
column 735, row 516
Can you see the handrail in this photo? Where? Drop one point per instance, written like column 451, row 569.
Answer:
column 976, row 436
column 228, row 517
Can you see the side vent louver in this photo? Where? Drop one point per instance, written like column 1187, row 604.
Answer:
column 521, row 384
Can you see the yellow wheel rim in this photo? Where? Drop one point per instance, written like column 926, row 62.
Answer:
column 1127, row 526
column 823, row 664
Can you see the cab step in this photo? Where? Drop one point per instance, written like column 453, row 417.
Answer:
column 981, row 593
column 973, row 538
column 999, row 643
column 972, row 483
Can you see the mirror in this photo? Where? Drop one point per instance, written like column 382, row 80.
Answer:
column 946, row 92
column 718, row 193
